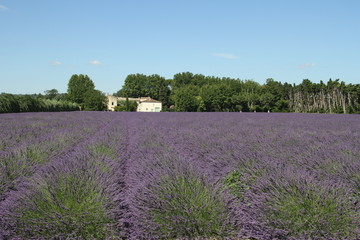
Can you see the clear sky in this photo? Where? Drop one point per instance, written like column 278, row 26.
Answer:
column 44, row 42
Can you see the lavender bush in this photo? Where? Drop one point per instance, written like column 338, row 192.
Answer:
column 66, row 200
column 306, row 210
column 93, row 175
column 180, row 203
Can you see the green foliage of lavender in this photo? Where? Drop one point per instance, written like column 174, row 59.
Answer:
column 19, row 164
column 313, row 211
column 67, row 205
column 235, row 183
column 103, row 150
column 187, row 207
column 303, row 207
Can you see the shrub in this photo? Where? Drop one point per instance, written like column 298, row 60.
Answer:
column 183, row 206
column 306, row 210
column 63, row 203
column 126, row 106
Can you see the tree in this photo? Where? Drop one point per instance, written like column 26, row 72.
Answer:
column 126, row 106
column 134, row 86
column 78, row 86
column 140, row 85
column 240, row 103
column 51, row 94
column 119, row 93
column 267, row 101
column 216, row 97
column 281, row 106
column 156, row 88
column 182, row 79
column 94, row 100
column 275, row 88
column 9, row 103
column 185, row 99
column 28, row 103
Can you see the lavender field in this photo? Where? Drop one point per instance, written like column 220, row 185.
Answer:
column 104, row 175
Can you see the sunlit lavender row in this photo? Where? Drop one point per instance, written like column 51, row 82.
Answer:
column 105, row 175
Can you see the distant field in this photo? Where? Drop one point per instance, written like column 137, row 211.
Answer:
column 105, row 175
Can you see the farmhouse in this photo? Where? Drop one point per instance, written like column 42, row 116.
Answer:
column 144, row 104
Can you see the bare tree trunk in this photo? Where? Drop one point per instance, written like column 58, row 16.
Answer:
column 343, row 102
column 329, row 102
column 349, row 100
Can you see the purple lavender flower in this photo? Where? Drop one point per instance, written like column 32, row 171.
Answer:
column 179, row 175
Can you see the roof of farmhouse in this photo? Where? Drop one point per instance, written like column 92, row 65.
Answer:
column 149, row 100
column 140, row 99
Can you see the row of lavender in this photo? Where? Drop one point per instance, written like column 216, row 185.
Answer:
column 57, row 175
column 180, row 175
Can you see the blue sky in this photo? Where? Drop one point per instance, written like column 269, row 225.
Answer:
column 42, row 42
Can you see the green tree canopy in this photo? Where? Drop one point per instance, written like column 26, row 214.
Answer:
column 140, row 85
column 9, row 103
column 94, row 100
column 126, row 106
column 217, row 98
column 185, row 99
column 78, row 86
column 51, row 94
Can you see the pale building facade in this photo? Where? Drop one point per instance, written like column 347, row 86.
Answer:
column 145, row 104
column 112, row 102
column 149, row 105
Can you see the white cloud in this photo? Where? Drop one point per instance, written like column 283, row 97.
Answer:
column 54, row 63
column 3, row 8
column 307, row 65
column 96, row 63
column 225, row 55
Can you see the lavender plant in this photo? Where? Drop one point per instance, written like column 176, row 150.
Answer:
column 67, row 200
column 185, row 206
column 306, row 210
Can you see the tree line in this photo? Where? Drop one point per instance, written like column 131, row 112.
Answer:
column 188, row 92
column 81, row 95
column 10, row 103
